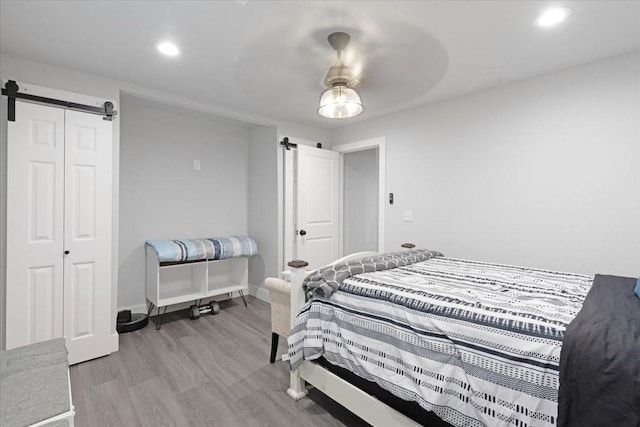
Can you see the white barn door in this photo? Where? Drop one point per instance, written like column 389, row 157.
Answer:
column 87, row 231
column 59, row 230
column 317, row 205
column 35, row 210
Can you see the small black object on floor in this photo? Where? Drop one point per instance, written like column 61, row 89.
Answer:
column 127, row 322
column 196, row 311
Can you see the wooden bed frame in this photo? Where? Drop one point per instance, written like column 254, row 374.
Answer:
column 364, row 405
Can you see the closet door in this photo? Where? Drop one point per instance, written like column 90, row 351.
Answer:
column 35, row 191
column 59, row 175
column 87, row 230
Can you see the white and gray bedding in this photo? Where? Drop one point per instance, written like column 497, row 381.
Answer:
column 476, row 343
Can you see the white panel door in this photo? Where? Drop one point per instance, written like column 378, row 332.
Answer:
column 87, row 229
column 35, row 190
column 317, row 205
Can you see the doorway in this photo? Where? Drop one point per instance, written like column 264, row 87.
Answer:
column 362, row 195
column 360, row 199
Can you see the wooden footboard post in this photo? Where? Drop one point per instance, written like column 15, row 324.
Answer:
column 297, row 388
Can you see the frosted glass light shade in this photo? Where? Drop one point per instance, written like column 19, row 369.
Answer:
column 340, row 102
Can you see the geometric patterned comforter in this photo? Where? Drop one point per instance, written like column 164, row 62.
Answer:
column 476, row 343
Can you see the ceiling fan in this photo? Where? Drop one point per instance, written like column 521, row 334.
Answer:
column 340, row 100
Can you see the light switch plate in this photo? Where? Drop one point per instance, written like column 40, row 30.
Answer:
column 196, row 165
column 407, row 216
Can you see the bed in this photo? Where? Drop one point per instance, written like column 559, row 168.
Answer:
column 475, row 343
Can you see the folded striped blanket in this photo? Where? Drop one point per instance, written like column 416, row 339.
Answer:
column 204, row 249
column 326, row 280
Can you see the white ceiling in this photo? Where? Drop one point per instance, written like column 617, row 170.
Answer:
column 269, row 58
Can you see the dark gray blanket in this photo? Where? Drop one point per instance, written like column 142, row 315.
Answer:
column 600, row 359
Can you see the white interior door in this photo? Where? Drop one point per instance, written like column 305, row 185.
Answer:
column 87, row 230
column 35, row 191
column 317, row 205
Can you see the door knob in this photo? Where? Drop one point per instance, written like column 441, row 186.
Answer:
column 67, row 252
column 303, row 233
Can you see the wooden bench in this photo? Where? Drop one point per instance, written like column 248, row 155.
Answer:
column 180, row 271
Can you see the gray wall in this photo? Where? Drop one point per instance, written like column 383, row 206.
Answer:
column 162, row 196
column 542, row 172
column 360, row 201
column 263, row 206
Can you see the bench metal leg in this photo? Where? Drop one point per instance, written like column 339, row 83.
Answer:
column 243, row 300
column 159, row 325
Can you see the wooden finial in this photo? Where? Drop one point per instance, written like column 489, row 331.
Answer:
column 297, row 263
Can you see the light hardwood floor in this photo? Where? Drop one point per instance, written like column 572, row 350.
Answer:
column 213, row 371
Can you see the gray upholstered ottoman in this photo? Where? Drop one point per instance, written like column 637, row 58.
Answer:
column 34, row 386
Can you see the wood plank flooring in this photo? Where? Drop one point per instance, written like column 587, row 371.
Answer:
column 213, row 371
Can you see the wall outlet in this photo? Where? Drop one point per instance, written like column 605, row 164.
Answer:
column 196, row 165
column 407, row 216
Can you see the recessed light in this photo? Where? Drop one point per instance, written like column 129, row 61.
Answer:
column 168, row 48
column 553, row 16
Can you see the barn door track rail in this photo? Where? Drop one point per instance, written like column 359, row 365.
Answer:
column 289, row 145
column 11, row 88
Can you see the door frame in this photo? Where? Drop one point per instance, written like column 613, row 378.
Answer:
column 286, row 189
column 367, row 144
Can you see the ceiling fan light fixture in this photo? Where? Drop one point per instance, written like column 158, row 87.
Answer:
column 340, row 102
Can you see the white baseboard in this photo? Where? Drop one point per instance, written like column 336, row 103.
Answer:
column 135, row 309
column 115, row 342
column 260, row 293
